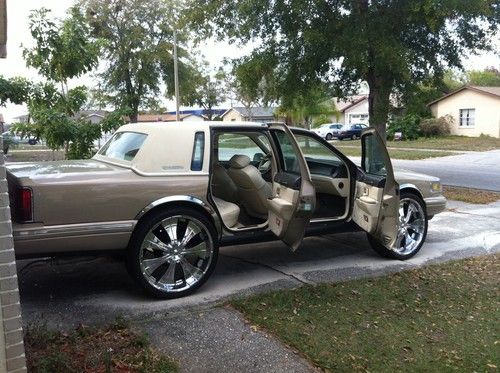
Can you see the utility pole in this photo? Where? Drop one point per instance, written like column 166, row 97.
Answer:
column 176, row 79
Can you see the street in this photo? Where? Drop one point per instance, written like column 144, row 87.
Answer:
column 480, row 170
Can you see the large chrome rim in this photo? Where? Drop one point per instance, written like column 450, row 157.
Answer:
column 411, row 226
column 176, row 253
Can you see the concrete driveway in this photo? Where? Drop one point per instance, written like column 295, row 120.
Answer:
column 205, row 338
column 84, row 289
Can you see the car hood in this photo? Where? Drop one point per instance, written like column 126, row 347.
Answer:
column 406, row 176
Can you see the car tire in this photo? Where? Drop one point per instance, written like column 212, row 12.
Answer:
column 353, row 137
column 170, row 266
column 329, row 136
column 418, row 234
column 32, row 141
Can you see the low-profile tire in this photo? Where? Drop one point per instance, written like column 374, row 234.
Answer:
column 173, row 252
column 412, row 230
column 329, row 136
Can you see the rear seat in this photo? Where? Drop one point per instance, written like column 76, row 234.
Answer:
column 228, row 211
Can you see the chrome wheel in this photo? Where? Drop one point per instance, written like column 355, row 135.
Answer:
column 176, row 254
column 411, row 230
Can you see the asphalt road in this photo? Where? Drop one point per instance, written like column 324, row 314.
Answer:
column 479, row 170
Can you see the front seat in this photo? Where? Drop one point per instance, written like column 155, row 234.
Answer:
column 253, row 191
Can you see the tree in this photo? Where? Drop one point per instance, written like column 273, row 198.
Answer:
column 138, row 45
column 388, row 44
column 489, row 77
column 61, row 52
column 201, row 87
column 308, row 106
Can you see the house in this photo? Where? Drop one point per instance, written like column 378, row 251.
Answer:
column 167, row 118
column 475, row 110
column 255, row 114
column 352, row 109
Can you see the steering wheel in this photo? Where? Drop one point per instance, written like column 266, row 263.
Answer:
column 265, row 163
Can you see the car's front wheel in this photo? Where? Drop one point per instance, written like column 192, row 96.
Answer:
column 412, row 229
column 173, row 252
column 329, row 136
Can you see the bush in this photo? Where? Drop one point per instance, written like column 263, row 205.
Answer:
column 433, row 127
column 322, row 119
column 409, row 125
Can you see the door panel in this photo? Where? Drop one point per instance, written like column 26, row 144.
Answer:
column 376, row 198
column 294, row 197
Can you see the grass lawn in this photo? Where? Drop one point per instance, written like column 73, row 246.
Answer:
column 481, row 143
column 394, row 153
column 111, row 349
column 458, row 143
column 435, row 319
column 470, row 195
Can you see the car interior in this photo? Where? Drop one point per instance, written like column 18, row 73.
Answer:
column 249, row 192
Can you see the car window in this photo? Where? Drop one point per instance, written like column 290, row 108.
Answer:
column 123, row 145
column 229, row 144
column 289, row 158
column 315, row 150
column 198, row 149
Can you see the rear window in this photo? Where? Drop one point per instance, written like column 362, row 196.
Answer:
column 123, row 145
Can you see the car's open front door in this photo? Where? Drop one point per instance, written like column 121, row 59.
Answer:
column 294, row 198
column 376, row 196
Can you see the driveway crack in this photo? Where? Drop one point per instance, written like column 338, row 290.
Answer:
column 292, row 276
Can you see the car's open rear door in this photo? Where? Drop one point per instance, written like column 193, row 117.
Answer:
column 294, row 197
column 376, row 197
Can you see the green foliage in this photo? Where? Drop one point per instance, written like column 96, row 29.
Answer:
column 312, row 103
column 321, row 119
column 14, row 90
column 138, row 43
column 114, row 120
column 409, row 125
column 82, row 146
column 388, row 44
column 62, row 51
column 434, row 127
column 486, row 78
column 203, row 89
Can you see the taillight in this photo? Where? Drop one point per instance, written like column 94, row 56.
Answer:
column 24, row 203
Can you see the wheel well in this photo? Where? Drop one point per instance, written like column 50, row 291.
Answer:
column 412, row 190
column 180, row 204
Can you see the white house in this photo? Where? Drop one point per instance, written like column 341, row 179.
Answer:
column 475, row 110
column 353, row 109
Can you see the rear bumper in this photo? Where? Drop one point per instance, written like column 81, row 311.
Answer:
column 435, row 205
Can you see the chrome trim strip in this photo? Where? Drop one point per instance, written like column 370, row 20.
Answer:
column 66, row 230
column 181, row 198
column 183, row 173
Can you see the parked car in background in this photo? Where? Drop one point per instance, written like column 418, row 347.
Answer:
column 167, row 195
column 328, row 131
column 351, row 131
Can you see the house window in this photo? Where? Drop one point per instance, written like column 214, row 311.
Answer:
column 467, row 117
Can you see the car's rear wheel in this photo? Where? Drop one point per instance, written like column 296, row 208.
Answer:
column 353, row 137
column 412, row 229
column 173, row 252
column 329, row 136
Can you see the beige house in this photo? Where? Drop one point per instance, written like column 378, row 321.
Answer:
column 353, row 109
column 475, row 110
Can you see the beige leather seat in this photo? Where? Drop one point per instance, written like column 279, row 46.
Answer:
column 223, row 186
column 253, row 191
column 228, row 211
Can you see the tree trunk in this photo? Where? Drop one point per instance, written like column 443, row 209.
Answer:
column 133, row 116
column 378, row 104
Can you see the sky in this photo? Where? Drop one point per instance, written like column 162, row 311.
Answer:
column 214, row 52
